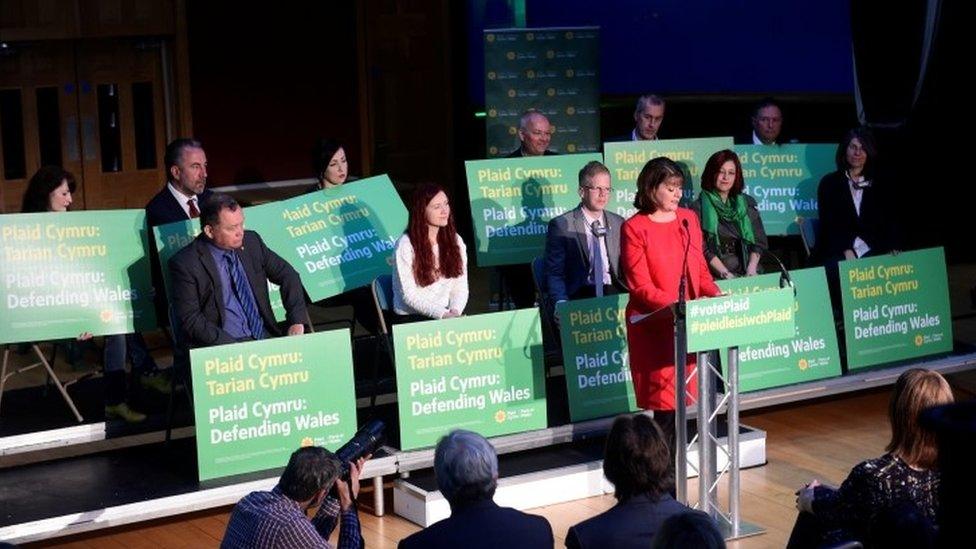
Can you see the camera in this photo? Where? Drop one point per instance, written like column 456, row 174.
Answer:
column 365, row 442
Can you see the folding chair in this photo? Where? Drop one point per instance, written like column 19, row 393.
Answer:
column 550, row 331
column 383, row 298
column 42, row 361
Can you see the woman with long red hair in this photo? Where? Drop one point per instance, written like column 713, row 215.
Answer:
column 430, row 275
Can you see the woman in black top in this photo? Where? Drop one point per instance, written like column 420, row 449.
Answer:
column 734, row 235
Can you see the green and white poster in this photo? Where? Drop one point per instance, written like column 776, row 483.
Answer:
column 257, row 402
column 513, row 199
column 483, row 373
column 895, row 307
column 783, row 179
column 337, row 239
column 172, row 237
column 810, row 354
column 595, row 357
column 626, row 159
column 554, row 71
column 67, row 273
column 730, row 321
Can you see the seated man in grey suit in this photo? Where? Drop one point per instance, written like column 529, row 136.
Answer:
column 220, row 281
column 467, row 472
column 583, row 245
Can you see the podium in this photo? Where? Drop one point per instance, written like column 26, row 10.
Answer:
column 710, row 325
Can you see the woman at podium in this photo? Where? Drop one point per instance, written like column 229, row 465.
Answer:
column 654, row 244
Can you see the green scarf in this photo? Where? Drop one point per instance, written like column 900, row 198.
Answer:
column 734, row 211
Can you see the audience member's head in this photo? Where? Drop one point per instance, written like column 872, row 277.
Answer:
column 329, row 163
column 901, row 525
column 535, row 133
column 466, row 467
column 49, row 190
column 767, row 120
column 916, row 390
column 637, row 459
column 724, row 163
column 858, row 152
column 310, row 473
column 594, row 186
column 661, row 179
column 648, row 116
column 691, row 530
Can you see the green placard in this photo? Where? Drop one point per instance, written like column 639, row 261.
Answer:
column 255, row 403
column 810, row 354
column 626, row 159
column 337, row 239
column 895, row 307
column 172, row 237
column 736, row 320
column 513, row 199
column 595, row 357
column 783, row 179
column 554, row 71
column 483, row 373
column 67, row 273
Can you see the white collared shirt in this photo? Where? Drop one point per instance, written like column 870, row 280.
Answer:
column 183, row 200
column 860, row 247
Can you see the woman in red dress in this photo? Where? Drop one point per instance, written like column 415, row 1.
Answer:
column 652, row 247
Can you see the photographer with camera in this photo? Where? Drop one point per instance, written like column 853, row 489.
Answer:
column 314, row 477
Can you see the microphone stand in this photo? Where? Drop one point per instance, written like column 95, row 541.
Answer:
column 680, row 379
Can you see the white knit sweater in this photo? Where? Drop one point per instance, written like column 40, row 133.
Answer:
column 434, row 300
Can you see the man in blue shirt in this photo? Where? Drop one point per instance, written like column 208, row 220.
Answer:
column 278, row 518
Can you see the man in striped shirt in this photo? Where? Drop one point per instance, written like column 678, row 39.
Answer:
column 277, row 519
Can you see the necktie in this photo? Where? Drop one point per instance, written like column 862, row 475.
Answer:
column 194, row 211
column 243, row 292
column 596, row 253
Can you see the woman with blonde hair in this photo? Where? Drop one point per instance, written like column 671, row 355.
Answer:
column 905, row 475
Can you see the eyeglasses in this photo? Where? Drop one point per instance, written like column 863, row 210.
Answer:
column 599, row 190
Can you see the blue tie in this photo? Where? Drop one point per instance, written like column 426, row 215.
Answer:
column 244, row 295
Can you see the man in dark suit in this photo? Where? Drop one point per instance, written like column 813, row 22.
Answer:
column 637, row 462
column 220, row 281
column 186, row 185
column 467, row 473
column 534, row 133
column 648, row 117
column 767, row 125
column 575, row 237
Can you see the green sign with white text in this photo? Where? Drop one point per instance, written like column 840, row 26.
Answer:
column 483, row 373
column 172, row 237
column 337, row 239
column 626, row 159
column 730, row 321
column 513, row 199
column 783, row 179
column 257, row 402
column 66, row 273
column 595, row 357
column 895, row 307
column 810, row 354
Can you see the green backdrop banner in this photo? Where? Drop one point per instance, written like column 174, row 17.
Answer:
column 736, row 320
column 257, row 402
column 483, row 373
column 68, row 273
column 783, row 179
column 555, row 71
column 172, row 237
column 810, row 354
column 513, row 199
column 595, row 357
column 626, row 159
column 895, row 307
column 337, row 239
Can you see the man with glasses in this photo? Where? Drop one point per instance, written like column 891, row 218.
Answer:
column 534, row 133
column 583, row 244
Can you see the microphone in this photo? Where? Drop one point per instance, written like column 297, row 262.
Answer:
column 684, row 271
column 598, row 229
column 784, row 275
